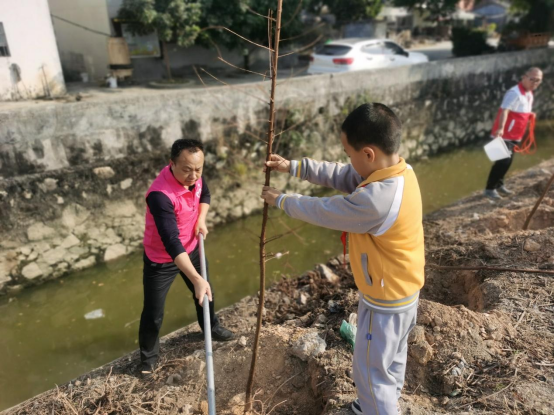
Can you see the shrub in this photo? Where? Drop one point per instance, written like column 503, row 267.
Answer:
column 468, row 42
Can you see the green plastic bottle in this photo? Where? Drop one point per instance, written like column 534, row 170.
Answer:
column 348, row 332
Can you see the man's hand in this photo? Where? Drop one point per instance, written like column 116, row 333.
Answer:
column 270, row 195
column 201, row 228
column 201, row 288
column 499, row 133
column 278, row 163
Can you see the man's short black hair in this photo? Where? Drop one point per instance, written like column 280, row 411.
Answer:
column 191, row 145
column 373, row 124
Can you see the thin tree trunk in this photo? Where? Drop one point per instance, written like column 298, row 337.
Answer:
column 528, row 220
column 270, row 135
column 166, row 60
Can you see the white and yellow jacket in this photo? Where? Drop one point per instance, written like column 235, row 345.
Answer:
column 383, row 218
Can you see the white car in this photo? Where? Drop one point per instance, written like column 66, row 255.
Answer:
column 356, row 54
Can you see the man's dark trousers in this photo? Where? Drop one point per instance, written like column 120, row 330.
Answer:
column 501, row 167
column 157, row 279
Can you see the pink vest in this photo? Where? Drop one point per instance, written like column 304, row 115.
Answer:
column 517, row 120
column 186, row 205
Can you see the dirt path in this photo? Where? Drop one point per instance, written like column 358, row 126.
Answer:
column 483, row 343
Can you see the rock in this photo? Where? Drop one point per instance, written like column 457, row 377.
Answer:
column 13, row 290
column 114, row 252
column 438, row 321
column 321, row 319
column 38, row 231
column 104, row 172
column 173, row 379
column 236, row 404
column 456, row 372
column 126, row 184
column 416, row 335
column 49, row 184
column 73, row 215
column 327, row 274
column 59, row 200
column 26, row 250
column 11, row 255
column 308, row 346
column 84, row 264
column 77, row 383
column 333, row 306
column 55, row 255
column 4, row 279
column 46, row 269
column 31, row 271
column 70, row 241
column 445, row 400
column 422, row 352
column 78, row 250
column 33, row 256
column 531, row 245
column 303, row 299
column 195, row 369
column 242, row 341
column 437, row 329
column 120, row 209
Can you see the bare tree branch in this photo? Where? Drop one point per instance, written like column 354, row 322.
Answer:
column 242, row 69
column 258, row 14
column 236, row 34
column 307, row 32
column 296, row 11
column 304, row 47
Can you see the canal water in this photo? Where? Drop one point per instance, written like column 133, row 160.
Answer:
column 46, row 338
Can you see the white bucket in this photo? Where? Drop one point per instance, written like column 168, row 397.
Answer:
column 112, row 82
column 497, row 150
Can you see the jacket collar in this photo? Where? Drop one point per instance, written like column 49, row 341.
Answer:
column 522, row 89
column 173, row 184
column 386, row 173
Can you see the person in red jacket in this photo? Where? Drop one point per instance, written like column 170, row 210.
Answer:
column 510, row 124
column 177, row 204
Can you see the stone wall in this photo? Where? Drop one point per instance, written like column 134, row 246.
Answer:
column 74, row 175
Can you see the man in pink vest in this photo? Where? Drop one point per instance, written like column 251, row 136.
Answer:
column 177, row 204
column 510, row 124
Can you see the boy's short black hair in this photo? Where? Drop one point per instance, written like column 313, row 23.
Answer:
column 373, row 124
column 191, row 145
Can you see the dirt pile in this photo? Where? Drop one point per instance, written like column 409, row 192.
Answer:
column 483, row 343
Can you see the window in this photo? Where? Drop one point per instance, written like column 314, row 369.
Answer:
column 4, row 50
column 333, row 50
column 394, row 49
column 373, row 49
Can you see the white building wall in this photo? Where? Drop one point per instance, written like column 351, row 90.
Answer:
column 82, row 50
column 33, row 49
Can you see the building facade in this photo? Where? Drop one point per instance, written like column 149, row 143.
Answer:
column 29, row 60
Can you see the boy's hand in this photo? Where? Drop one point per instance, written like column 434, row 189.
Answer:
column 270, row 195
column 278, row 163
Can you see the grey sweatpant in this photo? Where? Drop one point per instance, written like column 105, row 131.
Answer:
column 380, row 355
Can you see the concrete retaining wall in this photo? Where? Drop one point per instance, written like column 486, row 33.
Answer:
column 74, row 175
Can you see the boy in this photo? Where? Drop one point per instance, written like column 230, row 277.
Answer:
column 383, row 217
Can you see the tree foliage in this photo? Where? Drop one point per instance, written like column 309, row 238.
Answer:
column 243, row 17
column 173, row 20
column 435, row 8
column 538, row 14
column 349, row 10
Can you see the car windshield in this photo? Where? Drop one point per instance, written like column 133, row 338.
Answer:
column 333, row 50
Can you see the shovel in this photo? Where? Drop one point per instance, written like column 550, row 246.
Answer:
column 207, row 333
